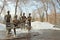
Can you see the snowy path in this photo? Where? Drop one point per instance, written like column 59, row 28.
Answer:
column 35, row 26
column 43, row 25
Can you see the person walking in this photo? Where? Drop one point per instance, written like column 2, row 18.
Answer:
column 29, row 21
column 8, row 19
column 23, row 20
column 15, row 22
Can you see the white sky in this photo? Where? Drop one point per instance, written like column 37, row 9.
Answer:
column 29, row 7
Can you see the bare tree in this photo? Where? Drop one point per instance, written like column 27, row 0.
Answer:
column 33, row 17
column 46, row 11
column 45, row 5
column 16, row 7
column 58, row 1
column 54, row 11
column 3, row 6
column 40, row 12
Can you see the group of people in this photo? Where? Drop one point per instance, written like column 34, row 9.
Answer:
column 15, row 21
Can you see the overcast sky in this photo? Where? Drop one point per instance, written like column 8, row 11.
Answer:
column 28, row 7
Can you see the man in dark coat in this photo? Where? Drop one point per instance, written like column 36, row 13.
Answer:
column 7, row 19
column 15, row 22
column 23, row 20
column 29, row 21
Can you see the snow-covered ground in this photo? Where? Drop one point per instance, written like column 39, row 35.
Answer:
column 41, row 25
column 2, row 27
column 35, row 26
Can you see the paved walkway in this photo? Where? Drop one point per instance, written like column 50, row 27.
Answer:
column 43, row 34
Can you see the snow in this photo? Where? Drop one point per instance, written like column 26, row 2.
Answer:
column 41, row 25
column 2, row 27
column 35, row 26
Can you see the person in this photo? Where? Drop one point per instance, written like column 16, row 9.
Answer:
column 20, row 21
column 15, row 22
column 23, row 20
column 8, row 19
column 29, row 21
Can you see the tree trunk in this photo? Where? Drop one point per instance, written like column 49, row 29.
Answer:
column 16, row 7
column 54, row 12
column 3, row 6
column 46, row 16
column 46, row 9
